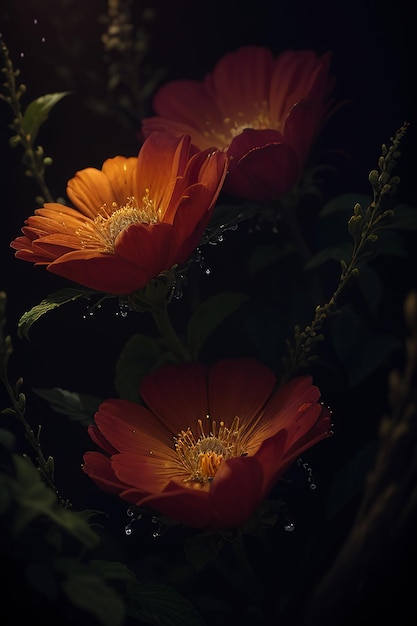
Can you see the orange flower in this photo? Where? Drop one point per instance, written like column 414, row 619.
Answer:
column 264, row 112
column 210, row 443
column 132, row 219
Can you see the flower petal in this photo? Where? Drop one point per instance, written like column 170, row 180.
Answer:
column 239, row 387
column 177, row 395
column 236, row 491
column 98, row 468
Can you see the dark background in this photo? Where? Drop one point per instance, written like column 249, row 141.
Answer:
column 374, row 53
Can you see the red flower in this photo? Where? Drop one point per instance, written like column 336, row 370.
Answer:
column 132, row 219
column 264, row 112
column 211, row 443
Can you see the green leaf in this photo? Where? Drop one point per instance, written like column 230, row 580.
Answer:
column 405, row 218
column 161, row 605
column 359, row 350
column 349, row 481
column 226, row 217
column 332, row 253
column 79, row 407
column 112, row 570
column 371, row 288
column 264, row 256
column 209, row 315
column 34, row 499
column 90, row 592
column 139, row 356
column 344, row 204
column 52, row 301
column 202, row 548
column 37, row 113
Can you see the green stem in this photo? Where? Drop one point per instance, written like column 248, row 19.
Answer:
column 168, row 334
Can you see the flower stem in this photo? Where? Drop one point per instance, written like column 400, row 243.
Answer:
column 168, row 334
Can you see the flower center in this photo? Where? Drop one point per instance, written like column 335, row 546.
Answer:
column 101, row 233
column 202, row 456
column 233, row 126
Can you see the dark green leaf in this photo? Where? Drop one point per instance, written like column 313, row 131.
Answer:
column 78, row 407
column 264, row 256
column 7, row 439
column 34, row 499
column 209, row 315
column 405, row 218
column 112, row 570
column 371, row 288
column 333, row 253
column 37, row 113
column 359, row 350
column 202, row 548
column 349, row 481
column 91, row 593
column 163, row 606
column 138, row 357
column 52, row 301
column 226, row 216
column 345, row 203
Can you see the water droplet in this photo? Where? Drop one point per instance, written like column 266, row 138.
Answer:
column 310, row 478
column 43, row 40
column 207, row 272
column 132, row 513
column 161, row 529
column 289, row 527
column 35, row 21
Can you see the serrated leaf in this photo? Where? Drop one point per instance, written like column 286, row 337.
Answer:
column 138, row 358
column 37, row 112
column 79, row 407
column 52, row 301
column 209, row 316
column 161, row 605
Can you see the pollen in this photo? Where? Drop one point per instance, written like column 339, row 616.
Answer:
column 259, row 119
column 202, row 456
column 101, row 233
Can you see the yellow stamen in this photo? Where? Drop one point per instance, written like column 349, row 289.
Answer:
column 234, row 126
column 203, row 456
column 101, row 233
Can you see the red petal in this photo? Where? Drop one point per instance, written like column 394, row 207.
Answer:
column 98, row 468
column 239, row 387
column 130, row 427
column 236, row 491
column 177, row 395
column 187, row 506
